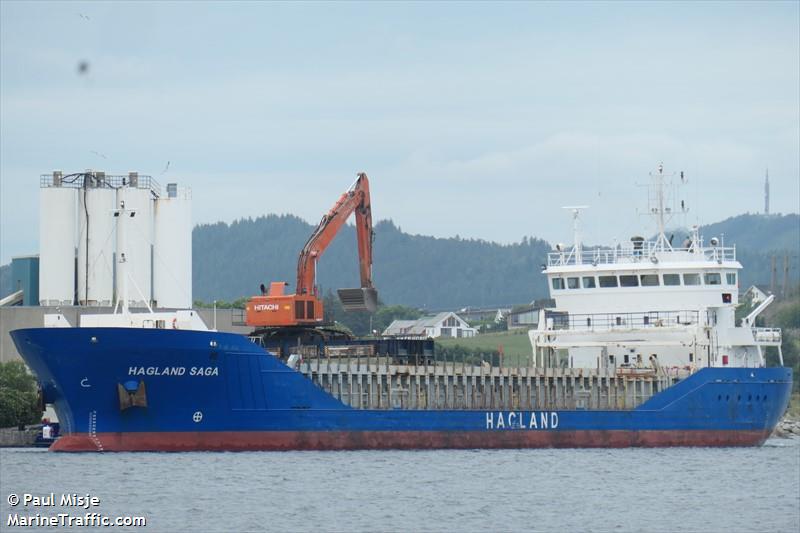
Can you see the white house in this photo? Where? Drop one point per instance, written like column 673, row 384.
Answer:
column 444, row 325
column 478, row 314
column 755, row 294
column 527, row 318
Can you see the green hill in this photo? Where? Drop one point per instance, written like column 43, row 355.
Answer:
column 758, row 239
column 231, row 260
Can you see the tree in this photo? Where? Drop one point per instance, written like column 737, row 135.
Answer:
column 786, row 315
column 19, row 401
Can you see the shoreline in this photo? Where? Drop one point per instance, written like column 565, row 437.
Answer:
column 788, row 427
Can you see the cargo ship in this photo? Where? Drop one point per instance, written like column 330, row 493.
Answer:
column 639, row 347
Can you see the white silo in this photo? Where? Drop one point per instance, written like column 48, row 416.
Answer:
column 172, row 250
column 96, row 241
column 135, row 193
column 58, row 226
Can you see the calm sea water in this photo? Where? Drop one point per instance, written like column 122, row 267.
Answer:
column 676, row 489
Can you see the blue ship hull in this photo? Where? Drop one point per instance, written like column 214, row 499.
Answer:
column 219, row 391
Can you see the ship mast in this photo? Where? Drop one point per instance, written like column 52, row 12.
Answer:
column 576, row 234
column 662, row 244
column 659, row 205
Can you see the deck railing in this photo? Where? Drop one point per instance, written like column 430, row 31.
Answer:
column 771, row 336
column 608, row 321
column 649, row 252
column 101, row 180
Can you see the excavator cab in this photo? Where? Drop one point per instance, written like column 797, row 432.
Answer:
column 360, row 299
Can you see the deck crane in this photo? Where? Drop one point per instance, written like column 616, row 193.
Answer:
column 303, row 309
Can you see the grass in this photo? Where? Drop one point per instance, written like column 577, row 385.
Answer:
column 515, row 343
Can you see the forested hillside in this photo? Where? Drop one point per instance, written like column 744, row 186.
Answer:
column 758, row 239
column 231, row 260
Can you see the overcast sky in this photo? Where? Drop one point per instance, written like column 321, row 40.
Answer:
column 480, row 120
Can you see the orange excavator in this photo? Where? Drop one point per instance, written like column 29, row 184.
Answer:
column 303, row 310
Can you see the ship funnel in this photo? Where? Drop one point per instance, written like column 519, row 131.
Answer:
column 359, row 299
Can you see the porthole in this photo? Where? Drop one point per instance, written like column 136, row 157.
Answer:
column 749, row 397
column 719, row 398
column 727, row 397
column 739, row 398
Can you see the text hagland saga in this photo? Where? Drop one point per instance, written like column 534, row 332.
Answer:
column 173, row 371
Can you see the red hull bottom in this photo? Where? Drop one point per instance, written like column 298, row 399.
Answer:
column 386, row 440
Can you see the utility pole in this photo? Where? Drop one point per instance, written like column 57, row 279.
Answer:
column 774, row 274
column 785, row 274
column 766, row 194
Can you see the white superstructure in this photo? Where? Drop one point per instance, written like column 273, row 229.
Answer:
column 648, row 304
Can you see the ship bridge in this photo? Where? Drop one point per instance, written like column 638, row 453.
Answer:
column 646, row 298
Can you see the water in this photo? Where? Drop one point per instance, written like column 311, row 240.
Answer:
column 672, row 489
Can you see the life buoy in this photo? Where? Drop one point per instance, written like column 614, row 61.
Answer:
column 174, row 323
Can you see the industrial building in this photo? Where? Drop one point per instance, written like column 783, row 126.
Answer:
column 81, row 246
column 81, row 243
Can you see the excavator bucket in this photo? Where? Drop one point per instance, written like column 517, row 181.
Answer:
column 359, row 299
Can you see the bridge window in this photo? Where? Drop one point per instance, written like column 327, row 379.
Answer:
column 573, row 283
column 629, row 281
column 672, row 279
column 713, row 278
column 608, row 281
column 727, row 298
column 588, row 282
column 558, row 283
column 691, row 279
column 730, row 277
column 649, row 280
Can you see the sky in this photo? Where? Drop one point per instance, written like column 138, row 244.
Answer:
column 472, row 119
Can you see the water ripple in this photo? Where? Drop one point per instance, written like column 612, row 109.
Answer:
column 671, row 489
